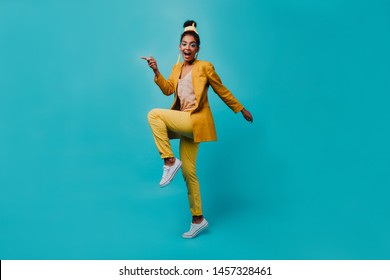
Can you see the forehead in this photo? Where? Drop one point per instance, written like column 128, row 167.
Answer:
column 188, row 38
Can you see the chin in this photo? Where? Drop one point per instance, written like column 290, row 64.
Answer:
column 189, row 59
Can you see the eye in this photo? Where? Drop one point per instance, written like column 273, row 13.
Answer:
column 183, row 44
column 193, row 45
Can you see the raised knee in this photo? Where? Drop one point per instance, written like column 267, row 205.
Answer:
column 152, row 114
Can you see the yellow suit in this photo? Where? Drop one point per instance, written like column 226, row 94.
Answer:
column 203, row 75
column 191, row 127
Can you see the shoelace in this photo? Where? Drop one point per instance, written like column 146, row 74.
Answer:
column 195, row 228
column 165, row 172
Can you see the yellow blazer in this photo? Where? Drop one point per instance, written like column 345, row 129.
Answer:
column 203, row 75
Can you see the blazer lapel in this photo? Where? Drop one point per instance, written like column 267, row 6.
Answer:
column 195, row 83
column 177, row 75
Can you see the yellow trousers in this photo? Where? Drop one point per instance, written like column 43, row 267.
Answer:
column 162, row 120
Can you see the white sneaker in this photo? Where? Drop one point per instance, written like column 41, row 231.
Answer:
column 169, row 172
column 195, row 229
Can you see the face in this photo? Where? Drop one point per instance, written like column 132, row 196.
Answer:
column 188, row 48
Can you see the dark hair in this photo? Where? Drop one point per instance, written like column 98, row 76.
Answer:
column 193, row 33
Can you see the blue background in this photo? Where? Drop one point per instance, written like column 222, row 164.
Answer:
column 79, row 172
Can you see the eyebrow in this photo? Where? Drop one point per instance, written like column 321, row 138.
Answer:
column 189, row 42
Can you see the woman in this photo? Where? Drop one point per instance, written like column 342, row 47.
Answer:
column 189, row 118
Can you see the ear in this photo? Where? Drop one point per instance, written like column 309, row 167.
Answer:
column 197, row 51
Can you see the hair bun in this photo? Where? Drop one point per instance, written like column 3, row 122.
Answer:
column 189, row 23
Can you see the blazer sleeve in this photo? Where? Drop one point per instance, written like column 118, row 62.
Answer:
column 166, row 86
column 216, row 83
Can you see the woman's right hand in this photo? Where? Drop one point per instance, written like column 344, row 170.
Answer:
column 151, row 62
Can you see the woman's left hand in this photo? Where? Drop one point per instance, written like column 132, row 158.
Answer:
column 247, row 115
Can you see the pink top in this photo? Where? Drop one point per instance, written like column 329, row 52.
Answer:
column 186, row 94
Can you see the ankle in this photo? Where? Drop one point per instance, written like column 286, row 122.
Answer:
column 197, row 219
column 169, row 161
